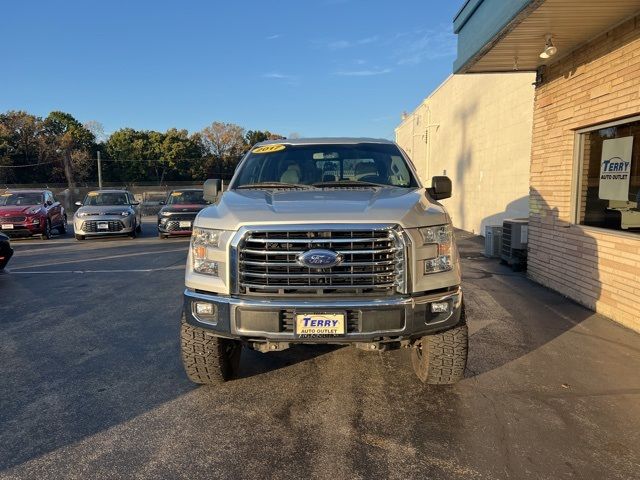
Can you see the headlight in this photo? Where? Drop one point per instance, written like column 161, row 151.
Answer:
column 203, row 242
column 82, row 214
column 442, row 236
column 165, row 214
column 33, row 210
column 126, row 213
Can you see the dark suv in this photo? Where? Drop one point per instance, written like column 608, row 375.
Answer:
column 24, row 213
column 179, row 211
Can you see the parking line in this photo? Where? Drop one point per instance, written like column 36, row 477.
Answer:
column 110, row 257
column 133, row 270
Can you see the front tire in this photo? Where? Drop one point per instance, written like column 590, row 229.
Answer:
column 207, row 359
column 62, row 229
column 46, row 235
column 79, row 237
column 440, row 359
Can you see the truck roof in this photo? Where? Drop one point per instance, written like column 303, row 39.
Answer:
column 326, row 141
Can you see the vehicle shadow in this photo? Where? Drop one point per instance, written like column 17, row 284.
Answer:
column 509, row 315
column 256, row 363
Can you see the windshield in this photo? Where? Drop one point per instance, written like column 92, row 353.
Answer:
column 21, row 199
column 105, row 198
column 325, row 165
column 188, row 197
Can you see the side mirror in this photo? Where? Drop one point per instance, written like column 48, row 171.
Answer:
column 78, row 204
column 440, row 188
column 211, row 189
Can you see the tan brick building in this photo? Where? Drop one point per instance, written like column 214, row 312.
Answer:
column 584, row 234
column 453, row 132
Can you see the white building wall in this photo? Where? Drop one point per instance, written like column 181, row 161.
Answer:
column 477, row 130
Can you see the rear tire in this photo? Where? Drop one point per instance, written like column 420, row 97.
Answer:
column 207, row 359
column 79, row 237
column 440, row 359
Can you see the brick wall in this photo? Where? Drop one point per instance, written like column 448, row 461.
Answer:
column 598, row 83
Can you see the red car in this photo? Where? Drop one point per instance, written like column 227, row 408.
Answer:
column 25, row 213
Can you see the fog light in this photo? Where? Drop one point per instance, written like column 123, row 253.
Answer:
column 440, row 307
column 204, row 308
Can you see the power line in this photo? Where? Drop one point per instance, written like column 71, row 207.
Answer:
column 28, row 165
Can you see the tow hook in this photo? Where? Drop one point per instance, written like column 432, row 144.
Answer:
column 372, row 347
column 265, row 347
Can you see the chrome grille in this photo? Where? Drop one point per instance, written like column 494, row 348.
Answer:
column 372, row 262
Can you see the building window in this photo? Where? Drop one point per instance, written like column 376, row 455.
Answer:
column 609, row 186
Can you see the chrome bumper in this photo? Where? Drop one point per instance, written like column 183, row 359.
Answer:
column 412, row 313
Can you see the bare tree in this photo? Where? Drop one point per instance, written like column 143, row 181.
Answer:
column 97, row 128
column 223, row 140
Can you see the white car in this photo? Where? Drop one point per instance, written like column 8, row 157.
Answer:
column 107, row 212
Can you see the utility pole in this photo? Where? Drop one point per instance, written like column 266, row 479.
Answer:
column 99, row 172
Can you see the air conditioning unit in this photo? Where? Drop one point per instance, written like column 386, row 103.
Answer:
column 514, row 243
column 492, row 241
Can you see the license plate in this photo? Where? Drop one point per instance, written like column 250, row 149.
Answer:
column 103, row 225
column 186, row 224
column 7, row 226
column 319, row 324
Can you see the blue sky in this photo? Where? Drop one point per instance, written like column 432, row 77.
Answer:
column 318, row 68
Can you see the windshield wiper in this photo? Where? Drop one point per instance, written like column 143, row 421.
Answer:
column 348, row 183
column 274, row 185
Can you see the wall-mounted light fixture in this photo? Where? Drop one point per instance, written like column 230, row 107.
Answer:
column 549, row 48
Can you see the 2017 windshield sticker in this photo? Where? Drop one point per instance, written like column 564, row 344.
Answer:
column 269, row 148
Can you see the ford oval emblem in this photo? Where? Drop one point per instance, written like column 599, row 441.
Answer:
column 319, row 258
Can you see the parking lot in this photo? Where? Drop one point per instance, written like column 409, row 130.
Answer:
column 93, row 387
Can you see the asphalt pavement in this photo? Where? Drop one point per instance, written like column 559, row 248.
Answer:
column 91, row 384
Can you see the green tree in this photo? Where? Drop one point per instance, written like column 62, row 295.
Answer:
column 20, row 145
column 71, row 143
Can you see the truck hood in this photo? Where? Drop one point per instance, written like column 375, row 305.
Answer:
column 406, row 207
column 12, row 210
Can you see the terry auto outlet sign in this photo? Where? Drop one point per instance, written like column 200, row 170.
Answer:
column 615, row 169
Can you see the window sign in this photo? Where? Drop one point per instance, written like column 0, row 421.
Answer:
column 615, row 169
column 609, row 182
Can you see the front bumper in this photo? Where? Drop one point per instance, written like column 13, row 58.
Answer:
column 23, row 229
column 88, row 226
column 176, row 224
column 380, row 320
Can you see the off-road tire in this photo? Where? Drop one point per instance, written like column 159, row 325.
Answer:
column 79, row 237
column 207, row 359
column 440, row 358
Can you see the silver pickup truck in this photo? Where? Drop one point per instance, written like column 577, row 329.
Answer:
column 324, row 241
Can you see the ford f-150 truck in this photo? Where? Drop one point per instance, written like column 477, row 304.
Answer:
column 324, row 241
